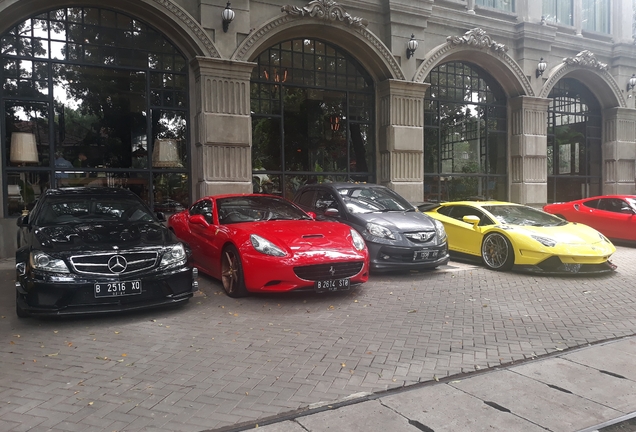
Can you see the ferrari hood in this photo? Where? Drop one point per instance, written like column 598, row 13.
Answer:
column 304, row 235
column 98, row 236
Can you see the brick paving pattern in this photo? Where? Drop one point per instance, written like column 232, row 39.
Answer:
column 219, row 361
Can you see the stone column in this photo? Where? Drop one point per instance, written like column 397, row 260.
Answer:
column 222, row 132
column 528, row 150
column 619, row 151
column 401, row 137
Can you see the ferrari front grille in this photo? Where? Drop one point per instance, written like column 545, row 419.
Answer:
column 329, row 271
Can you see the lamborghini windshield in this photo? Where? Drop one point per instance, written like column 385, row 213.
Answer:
column 522, row 215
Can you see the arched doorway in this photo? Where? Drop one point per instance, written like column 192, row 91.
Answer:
column 312, row 117
column 104, row 97
column 465, row 134
column 574, row 142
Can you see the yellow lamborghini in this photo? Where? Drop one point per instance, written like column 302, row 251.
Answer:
column 505, row 234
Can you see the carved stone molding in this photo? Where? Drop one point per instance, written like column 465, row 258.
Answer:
column 275, row 25
column 478, row 38
column 585, row 59
column 192, row 24
column 325, row 9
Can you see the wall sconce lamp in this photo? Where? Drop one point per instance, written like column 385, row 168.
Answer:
column 631, row 83
column 24, row 151
column 541, row 67
column 411, row 46
column 227, row 16
column 165, row 154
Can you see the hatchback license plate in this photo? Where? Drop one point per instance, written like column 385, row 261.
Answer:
column 115, row 289
column 332, row 285
column 424, row 254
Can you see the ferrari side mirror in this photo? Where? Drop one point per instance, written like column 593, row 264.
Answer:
column 198, row 220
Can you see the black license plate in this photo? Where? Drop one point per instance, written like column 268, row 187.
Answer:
column 332, row 285
column 115, row 289
column 424, row 255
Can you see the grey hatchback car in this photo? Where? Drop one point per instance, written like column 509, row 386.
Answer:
column 397, row 235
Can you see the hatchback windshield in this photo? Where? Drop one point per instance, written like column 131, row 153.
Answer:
column 374, row 199
column 79, row 209
column 257, row 208
column 522, row 215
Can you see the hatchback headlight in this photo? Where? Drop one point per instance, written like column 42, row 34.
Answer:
column 441, row 232
column 358, row 241
column 545, row 241
column 380, row 231
column 175, row 254
column 265, row 246
column 44, row 262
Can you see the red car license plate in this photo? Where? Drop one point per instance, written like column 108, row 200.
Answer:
column 332, row 285
column 114, row 289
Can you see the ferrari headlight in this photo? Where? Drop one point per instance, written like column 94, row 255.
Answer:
column 545, row 241
column 441, row 232
column 265, row 246
column 174, row 254
column 358, row 241
column 379, row 231
column 44, row 262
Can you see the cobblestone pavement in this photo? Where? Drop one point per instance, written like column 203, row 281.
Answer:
column 218, row 361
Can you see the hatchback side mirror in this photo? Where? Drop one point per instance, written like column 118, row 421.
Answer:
column 332, row 212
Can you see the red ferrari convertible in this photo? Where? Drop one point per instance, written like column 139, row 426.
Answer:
column 612, row 215
column 264, row 243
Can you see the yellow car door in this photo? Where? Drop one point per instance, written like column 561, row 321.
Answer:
column 463, row 237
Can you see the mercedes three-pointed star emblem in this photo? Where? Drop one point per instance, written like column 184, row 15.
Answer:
column 117, row 264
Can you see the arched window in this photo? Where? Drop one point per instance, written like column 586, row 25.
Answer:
column 574, row 142
column 312, row 117
column 465, row 132
column 101, row 98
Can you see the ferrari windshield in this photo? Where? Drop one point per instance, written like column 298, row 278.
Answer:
column 81, row 209
column 257, row 208
column 522, row 215
column 373, row 199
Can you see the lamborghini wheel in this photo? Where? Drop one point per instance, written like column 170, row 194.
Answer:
column 497, row 253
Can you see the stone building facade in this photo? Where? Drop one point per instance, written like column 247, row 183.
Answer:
column 521, row 100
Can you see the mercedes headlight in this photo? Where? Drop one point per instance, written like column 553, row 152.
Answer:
column 175, row 254
column 379, row 231
column 441, row 232
column 545, row 241
column 44, row 262
column 358, row 241
column 265, row 246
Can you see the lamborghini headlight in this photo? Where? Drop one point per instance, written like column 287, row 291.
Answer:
column 358, row 241
column 265, row 246
column 380, row 231
column 175, row 254
column 545, row 241
column 604, row 238
column 44, row 262
column 441, row 232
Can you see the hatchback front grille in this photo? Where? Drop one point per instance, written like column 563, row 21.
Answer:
column 420, row 237
column 122, row 263
column 329, row 271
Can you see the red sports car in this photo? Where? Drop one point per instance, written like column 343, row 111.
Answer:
column 612, row 215
column 264, row 243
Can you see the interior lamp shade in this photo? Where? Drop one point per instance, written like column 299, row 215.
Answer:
column 165, row 155
column 23, row 148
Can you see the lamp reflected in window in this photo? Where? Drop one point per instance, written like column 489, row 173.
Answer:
column 24, row 150
column 165, row 154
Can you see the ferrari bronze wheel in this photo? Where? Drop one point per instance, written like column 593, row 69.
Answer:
column 232, row 273
column 497, row 253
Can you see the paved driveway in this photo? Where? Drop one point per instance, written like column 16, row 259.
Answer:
column 219, row 361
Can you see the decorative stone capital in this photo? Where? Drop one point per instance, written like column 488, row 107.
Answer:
column 586, row 59
column 327, row 10
column 477, row 38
